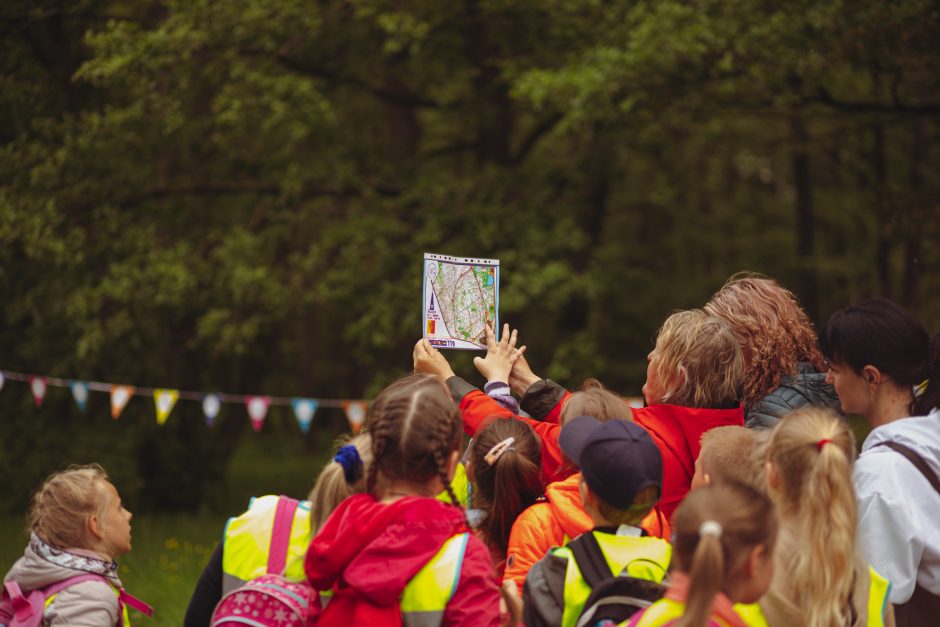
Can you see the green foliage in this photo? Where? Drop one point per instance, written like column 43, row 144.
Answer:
column 236, row 196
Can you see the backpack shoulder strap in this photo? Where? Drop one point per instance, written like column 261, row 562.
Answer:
column 280, row 534
column 59, row 586
column 590, row 559
column 917, row 460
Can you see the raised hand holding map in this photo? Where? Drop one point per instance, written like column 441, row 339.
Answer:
column 461, row 295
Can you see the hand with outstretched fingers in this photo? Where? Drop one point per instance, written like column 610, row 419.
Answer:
column 500, row 356
column 521, row 377
column 429, row 360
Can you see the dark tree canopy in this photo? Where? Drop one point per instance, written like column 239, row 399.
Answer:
column 236, row 195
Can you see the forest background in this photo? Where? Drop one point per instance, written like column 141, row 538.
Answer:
column 214, row 195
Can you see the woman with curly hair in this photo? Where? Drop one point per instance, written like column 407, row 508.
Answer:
column 783, row 367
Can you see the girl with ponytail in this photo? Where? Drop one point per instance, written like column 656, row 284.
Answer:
column 885, row 366
column 395, row 554
column 822, row 580
column 722, row 547
column 505, row 470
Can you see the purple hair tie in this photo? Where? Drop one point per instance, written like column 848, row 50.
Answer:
column 348, row 457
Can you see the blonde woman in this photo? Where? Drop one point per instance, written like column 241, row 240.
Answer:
column 783, row 367
column 822, row 581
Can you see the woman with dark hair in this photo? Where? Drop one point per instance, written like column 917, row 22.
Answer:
column 886, row 367
column 783, row 368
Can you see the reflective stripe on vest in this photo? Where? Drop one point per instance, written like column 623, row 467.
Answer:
column 427, row 594
column 248, row 541
column 666, row 611
column 640, row 557
column 125, row 617
column 878, row 591
column 460, row 485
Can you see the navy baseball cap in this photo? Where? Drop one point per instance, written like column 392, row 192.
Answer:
column 617, row 458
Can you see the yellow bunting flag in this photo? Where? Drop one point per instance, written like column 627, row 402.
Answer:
column 164, row 401
column 356, row 414
column 120, row 395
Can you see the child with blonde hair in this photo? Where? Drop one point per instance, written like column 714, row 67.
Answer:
column 823, row 581
column 732, row 453
column 722, row 556
column 245, row 550
column 78, row 526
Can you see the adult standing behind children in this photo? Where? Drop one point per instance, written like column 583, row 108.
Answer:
column 396, row 555
column 783, row 367
column 886, row 367
column 821, row 579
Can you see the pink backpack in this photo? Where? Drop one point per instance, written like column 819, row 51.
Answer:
column 19, row 610
column 270, row 600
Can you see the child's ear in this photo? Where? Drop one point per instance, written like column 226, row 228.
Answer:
column 706, row 478
column 755, row 559
column 93, row 526
column 773, row 477
column 468, row 468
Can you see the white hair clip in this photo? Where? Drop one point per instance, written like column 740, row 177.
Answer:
column 709, row 528
column 497, row 451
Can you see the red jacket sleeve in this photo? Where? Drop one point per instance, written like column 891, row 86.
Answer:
column 476, row 408
column 476, row 600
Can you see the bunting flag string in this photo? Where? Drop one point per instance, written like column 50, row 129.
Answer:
column 165, row 400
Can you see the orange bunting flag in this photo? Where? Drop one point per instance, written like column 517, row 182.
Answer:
column 38, row 387
column 257, row 410
column 164, row 401
column 120, row 395
column 356, row 414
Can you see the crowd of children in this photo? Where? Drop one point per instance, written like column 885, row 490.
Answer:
column 733, row 497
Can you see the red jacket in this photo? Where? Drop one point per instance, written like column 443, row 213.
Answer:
column 368, row 551
column 676, row 430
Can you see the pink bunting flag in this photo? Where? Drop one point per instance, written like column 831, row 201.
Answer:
column 38, row 387
column 257, row 410
column 120, row 395
column 356, row 414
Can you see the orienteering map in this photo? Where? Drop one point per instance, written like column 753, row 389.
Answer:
column 460, row 296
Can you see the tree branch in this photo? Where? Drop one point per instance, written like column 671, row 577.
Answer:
column 823, row 96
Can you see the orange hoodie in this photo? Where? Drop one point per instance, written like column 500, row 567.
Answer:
column 555, row 521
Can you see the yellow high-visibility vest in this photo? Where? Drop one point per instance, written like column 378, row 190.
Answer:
column 641, row 557
column 248, row 542
column 427, row 594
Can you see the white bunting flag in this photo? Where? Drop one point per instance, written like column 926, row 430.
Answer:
column 211, row 404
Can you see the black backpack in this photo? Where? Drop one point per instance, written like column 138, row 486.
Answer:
column 613, row 597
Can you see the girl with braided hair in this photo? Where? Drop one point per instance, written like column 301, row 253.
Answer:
column 885, row 366
column 396, row 555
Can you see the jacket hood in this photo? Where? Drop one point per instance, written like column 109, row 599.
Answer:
column 564, row 499
column 43, row 565
column 680, row 429
column 372, row 550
